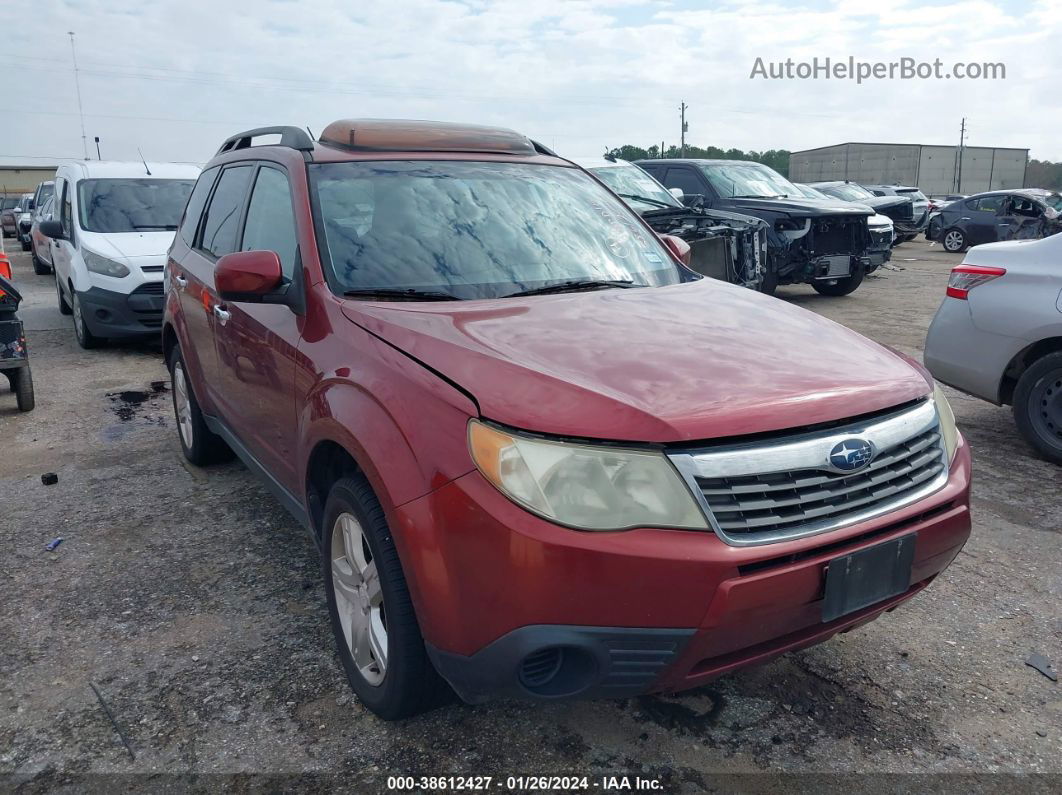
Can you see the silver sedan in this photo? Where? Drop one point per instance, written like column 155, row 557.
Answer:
column 998, row 334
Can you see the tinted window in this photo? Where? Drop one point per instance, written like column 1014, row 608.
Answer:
column 685, row 180
column 131, row 205
column 194, row 209
column 478, row 230
column 989, row 204
column 270, row 224
column 66, row 213
column 223, row 216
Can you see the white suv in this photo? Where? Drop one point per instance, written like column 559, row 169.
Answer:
column 113, row 225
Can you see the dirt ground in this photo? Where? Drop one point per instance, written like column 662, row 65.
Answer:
column 193, row 604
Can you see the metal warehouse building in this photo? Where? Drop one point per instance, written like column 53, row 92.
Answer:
column 17, row 179
column 931, row 168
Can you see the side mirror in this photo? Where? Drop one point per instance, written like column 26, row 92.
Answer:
column 52, row 229
column 248, row 276
column 676, row 192
column 679, row 247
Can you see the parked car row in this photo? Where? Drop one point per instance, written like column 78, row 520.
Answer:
column 541, row 454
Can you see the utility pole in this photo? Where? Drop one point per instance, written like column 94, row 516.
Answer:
column 685, row 126
column 962, row 145
column 77, row 85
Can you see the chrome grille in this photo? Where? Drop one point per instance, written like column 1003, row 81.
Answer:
column 786, row 488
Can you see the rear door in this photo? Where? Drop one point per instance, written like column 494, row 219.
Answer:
column 983, row 217
column 257, row 343
column 191, row 277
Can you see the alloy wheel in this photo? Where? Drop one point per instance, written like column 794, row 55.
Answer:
column 953, row 241
column 79, row 328
column 359, row 598
column 183, row 405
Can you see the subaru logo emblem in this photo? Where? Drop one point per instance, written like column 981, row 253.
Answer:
column 851, row 454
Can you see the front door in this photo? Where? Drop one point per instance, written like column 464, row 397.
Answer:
column 257, row 343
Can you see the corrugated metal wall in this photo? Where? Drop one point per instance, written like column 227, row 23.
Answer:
column 932, row 168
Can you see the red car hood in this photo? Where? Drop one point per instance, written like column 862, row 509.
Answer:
column 686, row 362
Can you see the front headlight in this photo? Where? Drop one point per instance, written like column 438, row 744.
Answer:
column 108, row 267
column 583, row 486
column 948, row 429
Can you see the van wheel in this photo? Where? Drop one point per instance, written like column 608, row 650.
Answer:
column 372, row 616
column 64, row 307
column 954, row 240
column 839, row 287
column 38, row 265
column 22, row 384
column 85, row 338
column 1038, row 406
column 199, row 444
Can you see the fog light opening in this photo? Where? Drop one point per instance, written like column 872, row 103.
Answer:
column 557, row 671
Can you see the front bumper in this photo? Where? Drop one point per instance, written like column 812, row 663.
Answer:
column 113, row 314
column 644, row 610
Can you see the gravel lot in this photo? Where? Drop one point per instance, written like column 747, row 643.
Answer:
column 193, row 604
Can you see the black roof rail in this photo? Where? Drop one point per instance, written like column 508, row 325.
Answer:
column 291, row 137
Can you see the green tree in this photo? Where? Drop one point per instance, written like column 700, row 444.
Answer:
column 778, row 159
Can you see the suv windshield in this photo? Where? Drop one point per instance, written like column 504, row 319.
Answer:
column 477, row 229
column 131, row 205
column 45, row 193
column 850, row 193
column 629, row 181
column 748, row 180
column 915, row 194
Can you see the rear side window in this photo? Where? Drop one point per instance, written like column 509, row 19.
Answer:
column 196, row 202
column 270, row 224
column 988, row 204
column 222, row 220
column 685, row 180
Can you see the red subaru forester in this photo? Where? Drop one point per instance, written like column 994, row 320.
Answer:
column 540, row 455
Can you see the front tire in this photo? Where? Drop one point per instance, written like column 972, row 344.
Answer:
column 1038, row 406
column 64, row 307
column 38, row 264
column 954, row 240
column 200, row 445
column 372, row 615
column 85, row 338
column 839, row 287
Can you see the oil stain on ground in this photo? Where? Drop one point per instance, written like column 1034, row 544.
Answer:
column 136, row 407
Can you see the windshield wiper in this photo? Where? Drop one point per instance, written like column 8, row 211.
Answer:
column 410, row 294
column 757, row 196
column 645, row 199
column 167, row 227
column 575, row 284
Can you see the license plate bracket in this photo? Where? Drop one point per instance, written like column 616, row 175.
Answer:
column 868, row 576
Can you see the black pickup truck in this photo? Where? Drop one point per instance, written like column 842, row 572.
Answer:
column 821, row 243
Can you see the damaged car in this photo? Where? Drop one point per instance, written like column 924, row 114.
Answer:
column 919, row 201
column 809, row 241
column 727, row 246
column 882, row 231
column 907, row 220
column 997, row 215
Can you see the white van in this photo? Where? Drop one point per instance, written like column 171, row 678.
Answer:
column 112, row 227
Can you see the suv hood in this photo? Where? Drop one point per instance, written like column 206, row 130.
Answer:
column 692, row 361
column 804, row 208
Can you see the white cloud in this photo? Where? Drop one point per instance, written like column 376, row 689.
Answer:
column 176, row 77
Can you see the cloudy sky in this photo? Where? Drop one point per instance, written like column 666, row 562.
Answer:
column 175, row 78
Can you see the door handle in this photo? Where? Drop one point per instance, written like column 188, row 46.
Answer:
column 181, row 281
column 221, row 314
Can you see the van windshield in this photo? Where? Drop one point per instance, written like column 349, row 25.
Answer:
column 478, row 229
column 131, row 205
